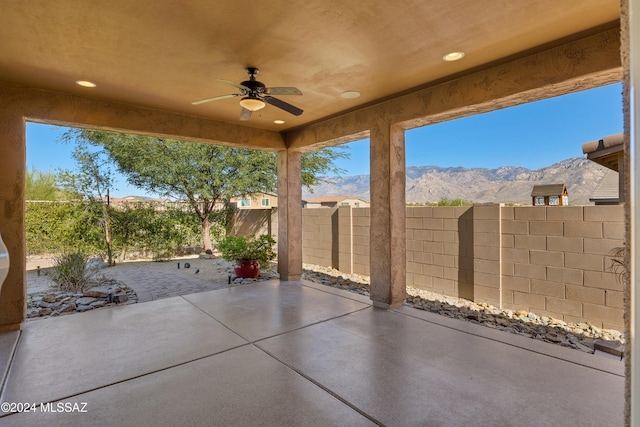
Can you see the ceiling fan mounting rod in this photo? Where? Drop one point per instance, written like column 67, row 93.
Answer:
column 252, row 71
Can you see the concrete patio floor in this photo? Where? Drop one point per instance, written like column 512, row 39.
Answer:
column 296, row 353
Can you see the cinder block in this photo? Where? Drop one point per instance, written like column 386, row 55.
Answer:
column 602, row 280
column 602, row 246
column 507, row 269
column 507, row 212
column 507, row 298
column 550, row 289
column 443, row 236
column 487, row 295
column 604, row 213
column 530, row 271
column 426, row 282
column 583, row 229
column 547, row 258
column 451, row 273
column 486, row 280
column 614, row 299
column 413, row 267
column 490, row 212
column 613, row 230
column 432, row 247
column 564, row 306
column 565, row 275
column 450, row 224
column 530, row 213
column 516, row 284
column 432, row 270
column 609, row 315
column 451, row 249
column 424, row 235
column 566, row 213
column 486, row 226
column 584, row 261
column 444, row 212
column 486, row 266
column 585, row 294
column 515, row 255
column 414, row 223
column 508, row 241
column 486, row 239
column 546, row 228
column 489, row 253
column 432, row 223
column 515, row 227
column 444, row 286
column 444, row 260
column 565, row 244
column 531, row 242
column 529, row 301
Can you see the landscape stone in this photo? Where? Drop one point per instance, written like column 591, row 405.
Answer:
column 97, row 292
column 85, row 300
column 49, row 298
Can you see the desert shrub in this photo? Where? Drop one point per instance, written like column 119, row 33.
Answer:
column 70, row 272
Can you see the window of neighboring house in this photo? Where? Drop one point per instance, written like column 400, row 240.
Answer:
column 265, row 202
column 554, row 200
column 539, row 200
column 356, row 204
column 244, row 203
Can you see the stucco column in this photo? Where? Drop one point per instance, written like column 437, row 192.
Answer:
column 388, row 251
column 12, row 176
column 289, row 215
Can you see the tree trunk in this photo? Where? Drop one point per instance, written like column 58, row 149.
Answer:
column 206, row 234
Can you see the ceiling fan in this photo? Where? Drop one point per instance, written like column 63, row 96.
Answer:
column 256, row 95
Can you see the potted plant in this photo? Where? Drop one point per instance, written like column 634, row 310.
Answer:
column 248, row 252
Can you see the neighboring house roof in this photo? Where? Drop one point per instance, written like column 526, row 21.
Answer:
column 605, row 151
column 332, row 199
column 549, row 190
column 607, row 189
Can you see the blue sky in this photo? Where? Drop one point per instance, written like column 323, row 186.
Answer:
column 533, row 135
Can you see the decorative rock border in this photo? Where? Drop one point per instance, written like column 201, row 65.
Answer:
column 52, row 303
column 580, row 336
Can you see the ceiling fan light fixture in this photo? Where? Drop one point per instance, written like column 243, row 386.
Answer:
column 252, row 104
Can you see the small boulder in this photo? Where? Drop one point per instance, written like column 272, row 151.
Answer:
column 97, row 292
column 85, row 300
column 49, row 298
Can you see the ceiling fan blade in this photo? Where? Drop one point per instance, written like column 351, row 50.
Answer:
column 238, row 85
column 283, row 91
column 215, row 98
column 282, row 105
column 245, row 114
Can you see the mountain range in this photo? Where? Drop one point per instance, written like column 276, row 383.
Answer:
column 506, row 184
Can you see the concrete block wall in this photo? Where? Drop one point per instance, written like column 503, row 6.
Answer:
column 319, row 235
column 557, row 262
column 553, row 260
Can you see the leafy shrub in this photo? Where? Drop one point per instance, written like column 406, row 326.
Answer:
column 70, row 272
column 234, row 248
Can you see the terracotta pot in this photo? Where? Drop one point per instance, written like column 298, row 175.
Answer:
column 247, row 268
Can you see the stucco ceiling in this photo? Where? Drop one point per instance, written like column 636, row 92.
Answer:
column 165, row 54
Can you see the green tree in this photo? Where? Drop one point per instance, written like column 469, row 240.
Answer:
column 92, row 181
column 205, row 176
column 41, row 186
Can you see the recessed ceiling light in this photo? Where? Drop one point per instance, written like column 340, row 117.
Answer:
column 278, row 122
column 453, row 56
column 350, row 94
column 85, row 83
